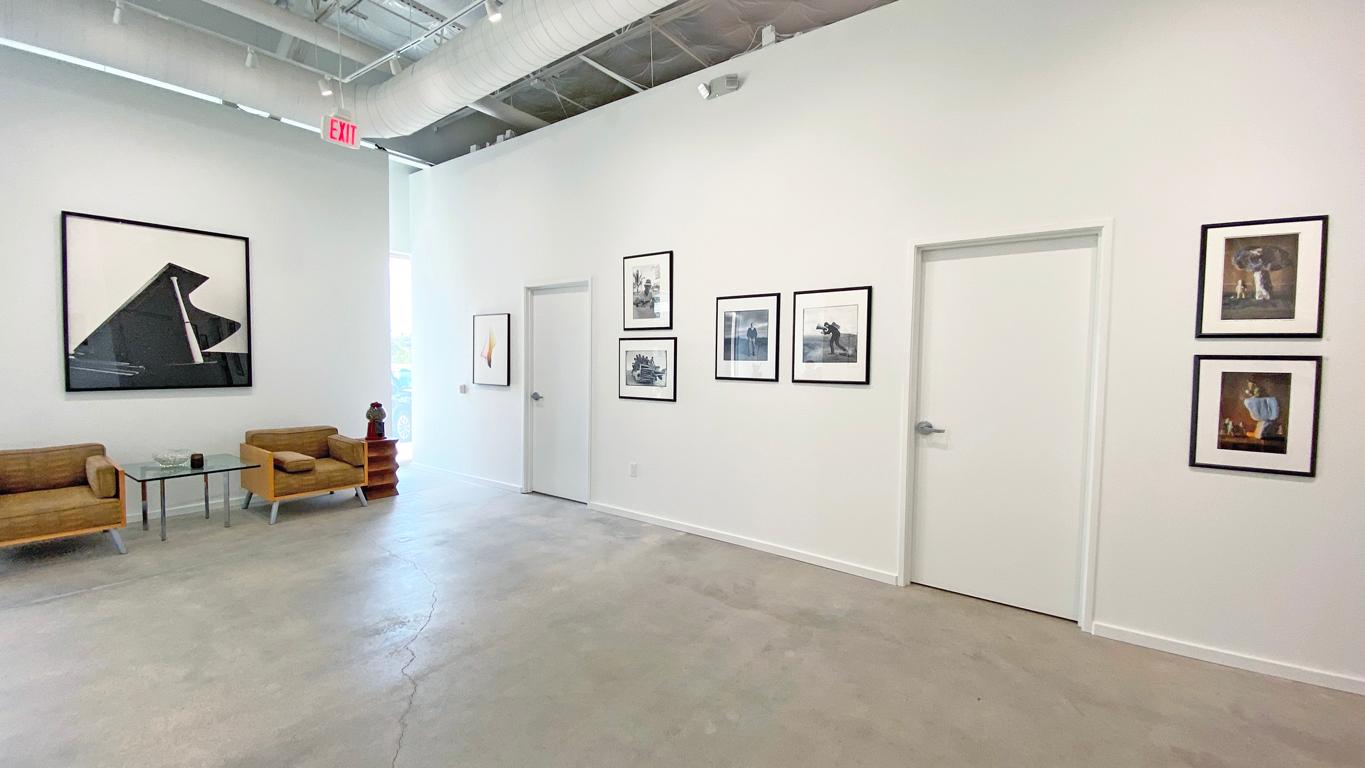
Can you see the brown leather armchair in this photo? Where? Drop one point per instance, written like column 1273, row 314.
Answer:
column 67, row 490
column 297, row 462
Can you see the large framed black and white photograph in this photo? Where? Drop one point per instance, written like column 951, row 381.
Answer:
column 151, row 306
column 832, row 335
column 648, row 369
column 1256, row 414
column 493, row 350
column 747, row 336
column 647, row 291
column 1262, row 279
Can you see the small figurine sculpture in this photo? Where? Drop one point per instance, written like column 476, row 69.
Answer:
column 376, row 416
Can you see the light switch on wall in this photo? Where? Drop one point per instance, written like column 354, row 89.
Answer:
column 633, row 469
column 464, row 389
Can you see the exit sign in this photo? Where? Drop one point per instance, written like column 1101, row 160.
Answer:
column 338, row 129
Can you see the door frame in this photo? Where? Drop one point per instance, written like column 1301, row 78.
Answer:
column 528, row 376
column 1097, row 374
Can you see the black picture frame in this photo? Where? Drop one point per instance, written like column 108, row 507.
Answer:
column 474, row 344
column 245, row 379
column 620, row 362
column 1316, row 333
column 797, row 336
column 774, row 338
column 626, row 293
column 1316, row 360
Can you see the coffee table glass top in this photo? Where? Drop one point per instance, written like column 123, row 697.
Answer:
column 213, row 464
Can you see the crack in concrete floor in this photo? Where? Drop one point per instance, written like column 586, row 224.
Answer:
column 412, row 655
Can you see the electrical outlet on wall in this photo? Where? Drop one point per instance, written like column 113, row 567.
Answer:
column 464, row 389
column 633, row 469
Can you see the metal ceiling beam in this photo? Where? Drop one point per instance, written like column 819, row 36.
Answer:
column 624, row 35
column 622, row 79
column 672, row 38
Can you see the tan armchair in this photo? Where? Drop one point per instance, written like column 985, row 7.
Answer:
column 51, row 493
column 298, row 462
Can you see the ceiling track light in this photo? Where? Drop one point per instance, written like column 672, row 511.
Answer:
column 492, row 11
column 325, row 86
column 118, row 11
column 251, row 58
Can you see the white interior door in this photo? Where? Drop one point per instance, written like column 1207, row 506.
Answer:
column 1004, row 362
column 558, row 388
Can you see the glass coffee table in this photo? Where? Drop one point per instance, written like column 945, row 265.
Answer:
column 214, row 464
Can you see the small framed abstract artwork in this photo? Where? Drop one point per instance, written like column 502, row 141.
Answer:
column 832, row 336
column 647, row 291
column 649, row 369
column 1262, row 279
column 747, row 337
column 1256, row 414
column 493, row 350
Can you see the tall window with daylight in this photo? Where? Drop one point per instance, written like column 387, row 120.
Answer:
column 400, row 352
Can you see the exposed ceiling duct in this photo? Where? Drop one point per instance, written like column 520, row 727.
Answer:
column 477, row 62
column 275, row 17
column 486, row 57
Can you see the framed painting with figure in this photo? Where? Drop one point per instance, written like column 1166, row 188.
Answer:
column 493, row 350
column 648, row 369
column 832, row 336
column 1256, row 414
column 1262, row 279
column 647, row 291
column 152, row 306
column 747, row 337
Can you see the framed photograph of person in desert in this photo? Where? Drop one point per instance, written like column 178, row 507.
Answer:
column 647, row 291
column 648, row 369
column 493, row 350
column 152, row 306
column 1256, row 414
column 747, row 336
column 1262, row 279
column 832, row 336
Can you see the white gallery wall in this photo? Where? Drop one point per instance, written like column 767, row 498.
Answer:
column 317, row 217
column 930, row 120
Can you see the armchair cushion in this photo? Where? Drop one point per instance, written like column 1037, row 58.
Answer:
column 38, row 513
column 43, row 469
column 329, row 473
column 347, row 449
column 293, row 462
column 101, row 476
column 310, row 441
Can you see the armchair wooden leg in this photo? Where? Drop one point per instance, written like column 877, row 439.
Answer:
column 360, row 494
column 118, row 541
column 274, row 512
column 246, row 502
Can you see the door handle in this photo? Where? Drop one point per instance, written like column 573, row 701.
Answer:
column 928, row 428
column 537, row 396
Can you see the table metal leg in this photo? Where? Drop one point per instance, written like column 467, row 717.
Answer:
column 163, row 509
column 144, row 505
column 206, row 497
column 227, row 500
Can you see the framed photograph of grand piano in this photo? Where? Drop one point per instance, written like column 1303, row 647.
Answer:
column 151, row 306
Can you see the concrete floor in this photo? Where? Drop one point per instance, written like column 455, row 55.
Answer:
column 464, row 626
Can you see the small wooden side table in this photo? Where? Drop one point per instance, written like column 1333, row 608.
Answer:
column 382, row 480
